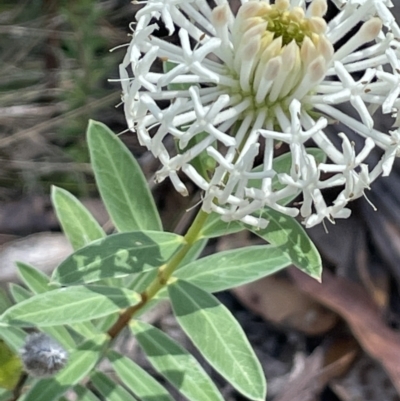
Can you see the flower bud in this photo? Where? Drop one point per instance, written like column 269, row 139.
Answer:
column 42, row 356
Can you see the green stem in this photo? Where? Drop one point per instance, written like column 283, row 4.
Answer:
column 163, row 275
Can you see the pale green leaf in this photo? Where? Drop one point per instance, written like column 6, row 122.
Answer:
column 105, row 323
column 194, row 252
column 117, row 255
column 60, row 334
column 78, row 224
column 175, row 363
column 219, row 338
column 142, row 280
column 110, row 390
column 230, row 269
column 34, row 279
column 5, row 395
column 85, row 329
column 121, row 182
column 13, row 336
column 69, row 305
column 19, row 293
column 215, row 227
column 39, row 283
column 80, row 363
column 138, row 380
column 84, row 394
column 287, row 234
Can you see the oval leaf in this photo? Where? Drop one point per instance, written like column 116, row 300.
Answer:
column 287, row 234
column 117, row 256
column 110, row 390
column 175, row 363
column 69, row 305
column 39, row 283
column 121, row 182
column 78, row 224
column 19, row 293
column 34, row 279
column 219, row 338
column 138, row 380
column 230, row 269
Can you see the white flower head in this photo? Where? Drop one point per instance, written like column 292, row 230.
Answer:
column 238, row 83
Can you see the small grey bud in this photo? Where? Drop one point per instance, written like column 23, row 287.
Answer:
column 42, row 356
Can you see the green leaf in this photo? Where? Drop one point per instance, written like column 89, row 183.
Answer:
column 85, row 329
column 219, row 338
column 229, row 269
column 194, row 252
column 69, row 305
column 81, row 362
column 121, row 182
column 34, row 279
column 5, row 395
column 19, row 293
column 84, row 394
column 78, row 224
column 13, row 336
column 39, row 283
column 138, row 380
column 142, row 280
column 117, row 256
column 287, row 234
column 60, row 334
column 10, row 367
column 110, row 390
column 175, row 363
column 215, row 227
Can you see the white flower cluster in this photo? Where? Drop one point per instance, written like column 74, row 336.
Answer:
column 269, row 73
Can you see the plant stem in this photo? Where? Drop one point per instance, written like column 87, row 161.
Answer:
column 163, row 275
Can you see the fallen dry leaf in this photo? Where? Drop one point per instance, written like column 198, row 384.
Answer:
column 277, row 300
column 310, row 376
column 353, row 303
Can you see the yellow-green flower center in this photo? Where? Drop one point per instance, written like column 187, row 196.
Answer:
column 288, row 25
column 279, row 52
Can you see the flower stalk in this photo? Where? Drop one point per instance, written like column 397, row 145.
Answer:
column 164, row 273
